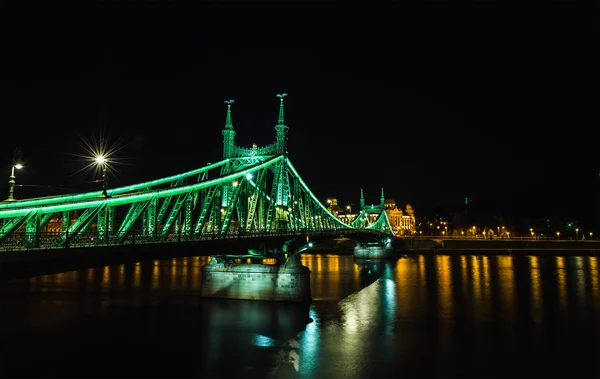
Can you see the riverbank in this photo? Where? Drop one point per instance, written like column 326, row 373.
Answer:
column 497, row 246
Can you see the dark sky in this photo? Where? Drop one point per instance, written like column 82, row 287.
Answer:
column 433, row 101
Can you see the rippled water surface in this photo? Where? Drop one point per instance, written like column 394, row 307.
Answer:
column 418, row 316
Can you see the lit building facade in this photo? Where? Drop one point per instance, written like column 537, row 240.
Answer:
column 403, row 222
column 333, row 207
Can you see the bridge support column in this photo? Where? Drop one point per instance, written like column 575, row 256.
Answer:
column 250, row 281
column 383, row 249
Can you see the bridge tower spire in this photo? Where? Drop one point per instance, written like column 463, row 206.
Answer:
column 283, row 185
column 362, row 200
column 382, row 198
column 281, row 128
column 228, row 133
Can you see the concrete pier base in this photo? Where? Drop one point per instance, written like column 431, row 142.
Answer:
column 374, row 252
column 279, row 282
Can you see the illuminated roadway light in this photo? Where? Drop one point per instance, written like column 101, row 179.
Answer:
column 100, row 159
column 18, row 166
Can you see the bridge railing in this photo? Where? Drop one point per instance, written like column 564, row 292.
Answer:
column 61, row 240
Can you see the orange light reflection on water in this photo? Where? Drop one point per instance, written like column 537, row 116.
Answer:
column 537, row 304
column 593, row 262
column 464, row 275
column 137, row 273
column 506, row 276
column 445, row 287
column 410, row 289
column 561, row 283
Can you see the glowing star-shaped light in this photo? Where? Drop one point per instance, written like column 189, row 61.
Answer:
column 99, row 153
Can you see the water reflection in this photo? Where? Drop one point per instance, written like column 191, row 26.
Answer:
column 332, row 276
column 506, row 281
column 562, row 284
column 426, row 316
column 594, row 276
column 445, row 287
column 371, row 269
column 537, row 310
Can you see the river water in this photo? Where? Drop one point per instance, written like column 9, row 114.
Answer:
column 419, row 316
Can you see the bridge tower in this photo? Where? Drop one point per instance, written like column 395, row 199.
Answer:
column 382, row 199
column 228, row 133
column 228, row 149
column 281, row 128
column 283, row 185
column 362, row 200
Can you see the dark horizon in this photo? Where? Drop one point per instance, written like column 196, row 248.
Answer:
column 433, row 102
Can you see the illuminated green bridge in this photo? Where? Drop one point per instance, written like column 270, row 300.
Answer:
column 251, row 193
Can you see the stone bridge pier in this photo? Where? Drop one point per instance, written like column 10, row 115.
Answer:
column 285, row 280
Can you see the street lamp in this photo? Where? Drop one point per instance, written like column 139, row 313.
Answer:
column 576, row 233
column 101, row 161
column 11, row 182
column 349, row 208
column 557, row 235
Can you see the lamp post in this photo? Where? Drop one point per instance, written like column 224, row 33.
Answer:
column 349, row 208
column 576, row 233
column 11, row 182
column 101, row 161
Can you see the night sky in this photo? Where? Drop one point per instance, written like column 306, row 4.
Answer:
column 434, row 101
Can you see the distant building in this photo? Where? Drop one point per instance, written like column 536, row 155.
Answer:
column 402, row 222
column 333, row 207
column 56, row 223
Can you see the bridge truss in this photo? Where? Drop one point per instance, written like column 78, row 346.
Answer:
column 237, row 197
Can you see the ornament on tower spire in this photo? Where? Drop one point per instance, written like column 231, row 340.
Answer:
column 228, row 124
column 382, row 197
